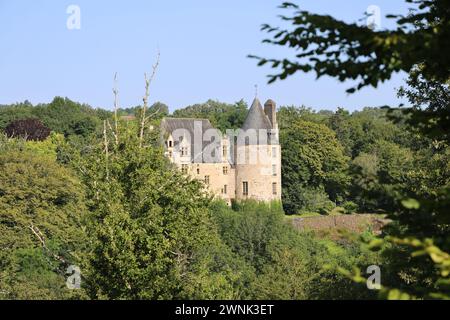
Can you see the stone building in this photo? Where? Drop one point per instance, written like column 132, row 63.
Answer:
column 235, row 165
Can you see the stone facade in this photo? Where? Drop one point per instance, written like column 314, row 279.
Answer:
column 236, row 165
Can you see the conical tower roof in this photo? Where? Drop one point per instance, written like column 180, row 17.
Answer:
column 256, row 118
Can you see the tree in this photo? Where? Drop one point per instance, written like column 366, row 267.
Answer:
column 348, row 51
column 345, row 51
column 68, row 117
column 14, row 112
column 42, row 207
column 61, row 115
column 222, row 116
column 150, row 225
column 312, row 160
column 360, row 131
column 287, row 115
column 275, row 261
column 28, row 129
column 384, row 169
column 159, row 109
column 430, row 112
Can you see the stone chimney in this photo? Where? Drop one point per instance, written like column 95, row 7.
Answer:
column 270, row 109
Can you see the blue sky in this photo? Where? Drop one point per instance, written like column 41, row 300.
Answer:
column 203, row 43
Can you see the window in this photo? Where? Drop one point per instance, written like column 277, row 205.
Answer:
column 225, row 170
column 274, row 152
column 170, row 143
column 245, row 188
column 184, row 168
column 274, row 170
column 207, row 180
column 224, row 151
column 224, row 190
column 184, row 151
column 247, row 151
column 170, row 154
column 274, row 188
column 198, row 170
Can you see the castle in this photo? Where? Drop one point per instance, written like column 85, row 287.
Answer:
column 236, row 165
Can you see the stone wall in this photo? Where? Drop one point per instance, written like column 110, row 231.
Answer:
column 255, row 166
column 354, row 223
column 217, row 178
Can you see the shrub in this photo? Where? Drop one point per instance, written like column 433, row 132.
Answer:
column 28, row 129
column 316, row 200
column 350, row 207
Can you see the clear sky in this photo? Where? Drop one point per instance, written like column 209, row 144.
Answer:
column 203, row 43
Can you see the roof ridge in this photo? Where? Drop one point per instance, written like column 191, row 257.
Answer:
column 187, row 118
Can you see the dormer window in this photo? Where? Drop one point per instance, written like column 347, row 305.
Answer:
column 184, row 151
column 170, row 143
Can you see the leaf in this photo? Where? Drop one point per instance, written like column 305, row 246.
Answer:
column 376, row 243
column 411, row 204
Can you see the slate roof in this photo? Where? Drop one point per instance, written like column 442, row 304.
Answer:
column 256, row 118
column 169, row 125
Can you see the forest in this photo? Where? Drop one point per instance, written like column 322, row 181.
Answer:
column 91, row 188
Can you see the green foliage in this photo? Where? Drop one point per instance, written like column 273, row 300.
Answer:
column 287, row 116
column 14, row 112
column 154, row 234
column 327, row 46
column 429, row 99
column 437, row 287
column 42, row 207
column 313, row 167
column 61, row 115
column 405, row 174
column 385, row 169
column 250, row 229
column 150, row 227
column 157, row 111
column 281, row 263
column 350, row 207
column 67, row 117
column 359, row 131
column 222, row 116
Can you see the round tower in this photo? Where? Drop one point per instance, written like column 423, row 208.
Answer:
column 258, row 155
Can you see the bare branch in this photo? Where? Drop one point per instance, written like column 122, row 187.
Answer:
column 153, row 113
column 148, row 81
column 116, row 107
column 116, row 137
column 41, row 239
column 106, row 148
column 38, row 234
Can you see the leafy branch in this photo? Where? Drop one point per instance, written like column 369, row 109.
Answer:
column 327, row 46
